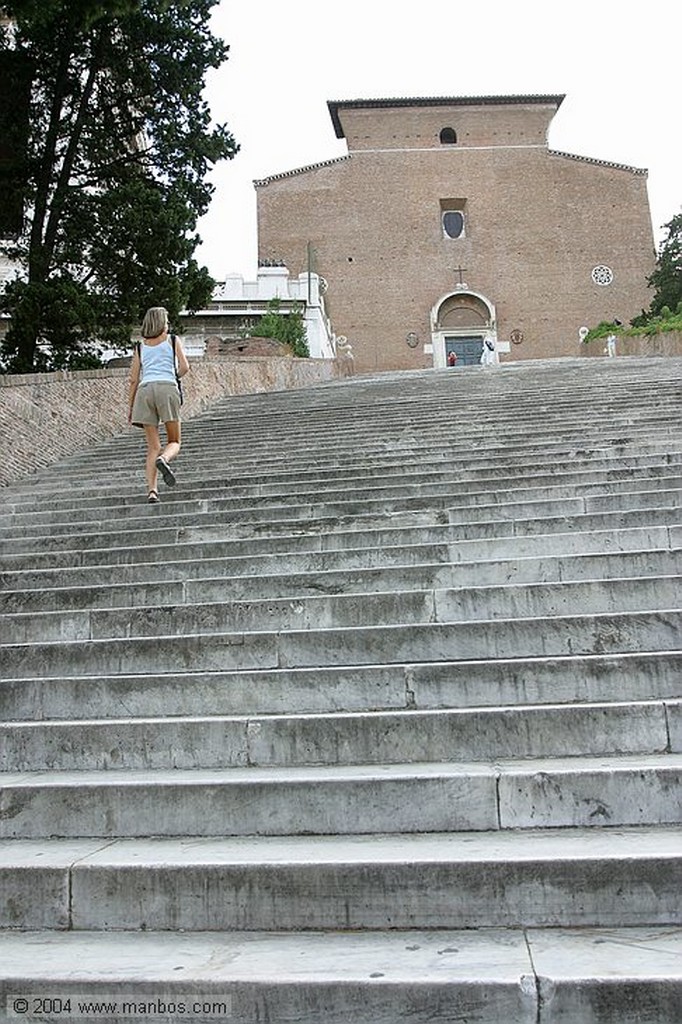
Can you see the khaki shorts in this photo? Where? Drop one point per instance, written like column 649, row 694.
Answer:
column 156, row 402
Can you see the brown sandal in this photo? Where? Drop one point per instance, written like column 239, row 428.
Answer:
column 153, row 497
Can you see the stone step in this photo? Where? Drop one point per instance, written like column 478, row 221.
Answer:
column 175, row 522
column 277, row 576
column 467, row 471
column 206, row 606
column 629, row 632
column 469, row 462
column 343, row 738
column 466, row 684
column 627, row 404
column 313, row 553
column 324, row 534
column 187, row 502
column 609, row 791
column 90, row 496
column 638, row 493
column 125, row 463
column 525, row 976
column 542, row 878
column 499, row 417
column 458, row 494
column 504, row 779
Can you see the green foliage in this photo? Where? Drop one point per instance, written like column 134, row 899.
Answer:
column 289, row 328
column 666, row 278
column 655, row 325
column 602, row 330
column 120, row 146
column 659, row 325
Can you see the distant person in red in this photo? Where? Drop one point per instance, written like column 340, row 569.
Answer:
column 452, row 359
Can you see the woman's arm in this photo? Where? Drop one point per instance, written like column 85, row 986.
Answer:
column 133, row 382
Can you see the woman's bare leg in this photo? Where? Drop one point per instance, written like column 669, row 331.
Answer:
column 172, row 440
column 153, row 452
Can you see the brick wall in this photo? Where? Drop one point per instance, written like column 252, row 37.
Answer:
column 47, row 416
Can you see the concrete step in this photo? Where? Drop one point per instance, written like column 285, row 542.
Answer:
column 590, row 678
column 93, row 492
column 343, row 738
column 638, row 493
column 525, row 976
column 456, row 494
column 124, row 475
column 91, row 497
column 609, row 791
column 208, row 607
column 393, row 445
column 284, row 575
column 542, row 878
column 297, row 553
column 211, row 650
column 626, row 633
column 230, row 537
column 366, row 689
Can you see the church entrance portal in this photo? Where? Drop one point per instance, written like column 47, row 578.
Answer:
column 468, row 349
column 461, row 322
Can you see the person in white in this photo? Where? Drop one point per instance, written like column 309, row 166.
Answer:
column 488, row 355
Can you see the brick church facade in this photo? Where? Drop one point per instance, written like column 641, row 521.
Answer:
column 450, row 222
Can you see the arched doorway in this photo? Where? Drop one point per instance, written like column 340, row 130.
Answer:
column 461, row 322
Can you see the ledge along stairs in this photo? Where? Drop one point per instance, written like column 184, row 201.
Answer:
column 374, row 719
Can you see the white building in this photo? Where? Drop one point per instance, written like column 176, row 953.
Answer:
column 236, row 306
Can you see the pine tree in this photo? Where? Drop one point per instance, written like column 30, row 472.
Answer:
column 120, row 145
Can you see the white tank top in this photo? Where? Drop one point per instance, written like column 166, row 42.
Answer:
column 157, row 362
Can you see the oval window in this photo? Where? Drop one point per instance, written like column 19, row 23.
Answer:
column 453, row 223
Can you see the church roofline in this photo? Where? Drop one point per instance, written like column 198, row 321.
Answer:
column 435, row 101
column 347, row 156
column 595, row 160
column 300, row 170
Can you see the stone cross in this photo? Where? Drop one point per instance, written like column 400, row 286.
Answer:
column 461, row 284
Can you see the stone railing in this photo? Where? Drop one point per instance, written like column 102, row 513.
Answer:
column 48, row 416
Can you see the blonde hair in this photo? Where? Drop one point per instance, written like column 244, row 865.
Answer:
column 155, row 322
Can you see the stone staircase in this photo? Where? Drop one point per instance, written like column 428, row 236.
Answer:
column 375, row 719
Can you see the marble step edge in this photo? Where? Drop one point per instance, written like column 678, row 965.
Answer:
column 575, row 634
column 189, row 558
column 446, row 523
column 400, row 449
column 281, row 577
column 187, row 608
column 62, row 483
column 274, row 469
column 471, row 476
column 598, row 729
column 609, row 791
column 533, row 877
column 528, row 976
column 602, row 678
column 196, row 487
column 131, row 516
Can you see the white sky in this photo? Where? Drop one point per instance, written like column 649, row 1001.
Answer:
column 616, row 62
